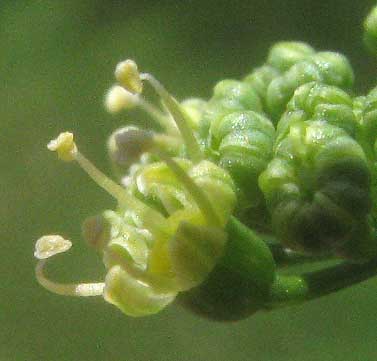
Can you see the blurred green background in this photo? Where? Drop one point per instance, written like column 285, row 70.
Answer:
column 57, row 60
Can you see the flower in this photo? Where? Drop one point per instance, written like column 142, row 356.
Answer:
column 167, row 233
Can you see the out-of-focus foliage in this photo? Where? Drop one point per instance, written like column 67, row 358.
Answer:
column 56, row 62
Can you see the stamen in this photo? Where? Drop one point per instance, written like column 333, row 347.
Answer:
column 66, row 146
column 151, row 219
column 48, row 246
column 128, row 75
column 118, row 98
column 179, row 116
column 114, row 189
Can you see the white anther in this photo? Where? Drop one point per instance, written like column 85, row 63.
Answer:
column 118, row 98
column 50, row 245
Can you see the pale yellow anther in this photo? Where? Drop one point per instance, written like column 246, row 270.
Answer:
column 50, row 245
column 118, row 98
column 128, row 76
column 64, row 146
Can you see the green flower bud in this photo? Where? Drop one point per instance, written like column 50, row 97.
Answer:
column 236, row 92
column 317, row 185
column 287, row 53
column 325, row 67
column 316, row 101
column 335, row 69
column 239, row 138
column 244, row 142
column 282, row 56
column 282, row 88
column 260, row 79
column 230, row 96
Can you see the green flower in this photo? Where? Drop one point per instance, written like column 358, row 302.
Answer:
column 153, row 252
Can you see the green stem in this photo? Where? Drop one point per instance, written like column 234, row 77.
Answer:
column 288, row 290
column 333, row 279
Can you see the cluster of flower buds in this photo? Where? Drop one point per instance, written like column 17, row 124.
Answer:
column 274, row 170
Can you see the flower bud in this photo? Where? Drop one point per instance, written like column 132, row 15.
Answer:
column 325, row 67
column 317, row 185
column 261, row 78
column 287, row 53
